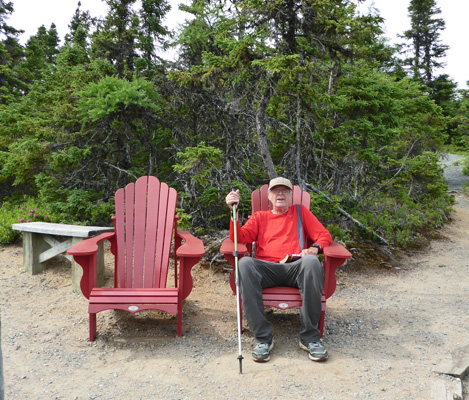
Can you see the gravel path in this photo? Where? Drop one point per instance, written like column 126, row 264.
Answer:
column 454, row 177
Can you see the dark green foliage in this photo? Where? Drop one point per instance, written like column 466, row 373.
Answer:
column 71, row 205
column 306, row 89
column 80, row 27
column 11, row 54
column 465, row 169
column 426, row 54
column 460, row 136
column 415, row 202
column 6, row 9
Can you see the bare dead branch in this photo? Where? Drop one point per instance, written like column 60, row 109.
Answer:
column 121, row 170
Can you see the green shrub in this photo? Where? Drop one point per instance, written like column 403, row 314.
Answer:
column 324, row 210
column 465, row 187
column 82, row 207
column 24, row 210
column 338, row 234
column 184, row 222
column 465, row 168
column 7, row 218
column 72, row 205
column 404, row 224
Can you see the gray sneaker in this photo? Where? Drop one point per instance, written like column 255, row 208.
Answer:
column 316, row 350
column 261, row 352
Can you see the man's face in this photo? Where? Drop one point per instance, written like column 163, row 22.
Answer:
column 280, row 196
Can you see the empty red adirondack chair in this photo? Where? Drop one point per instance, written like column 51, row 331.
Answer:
column 287, row 297
column 144, row 224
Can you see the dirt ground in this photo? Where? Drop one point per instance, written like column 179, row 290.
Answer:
column 387, row 330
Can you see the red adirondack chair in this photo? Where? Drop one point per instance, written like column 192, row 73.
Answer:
column 287, row 297
column 144, row 224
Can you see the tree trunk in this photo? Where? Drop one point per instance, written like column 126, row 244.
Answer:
column 261, row 126
column 298, row 140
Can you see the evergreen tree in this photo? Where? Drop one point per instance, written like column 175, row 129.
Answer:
column 6, row 9
column 151, row 32
column 427, row 54
column 460, row 137
column 40, row 52
column 297, row 88
column 11, row 54
column 427, row 51
column 80, row 27
column 273, row 58
column 115, row 38
column 127, row 37
column 300, row 83
column 444, row 92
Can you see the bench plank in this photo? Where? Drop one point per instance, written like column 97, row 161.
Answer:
column 61, row 229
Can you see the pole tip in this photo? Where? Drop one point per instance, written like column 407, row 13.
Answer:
column 240, row 358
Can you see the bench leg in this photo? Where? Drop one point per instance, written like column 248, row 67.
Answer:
column 33, row 246
column 39, row 247
column 77, row 271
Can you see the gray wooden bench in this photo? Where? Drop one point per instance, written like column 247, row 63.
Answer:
column 44, row 240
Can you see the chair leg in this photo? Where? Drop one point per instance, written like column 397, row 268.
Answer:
column 92, row 327
column 179, row 318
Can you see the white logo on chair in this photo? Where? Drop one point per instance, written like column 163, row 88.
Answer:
column 283, row 305
column 133, row 308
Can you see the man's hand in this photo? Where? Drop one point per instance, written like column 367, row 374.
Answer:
column 232, row 198
column 310, row 251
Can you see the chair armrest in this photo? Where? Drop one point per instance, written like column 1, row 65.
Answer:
column 336, row 250
column 189, row 254
column 192, row 246
column 89, row 246
column 334, row 256
column 227, row 247
column 85, row 254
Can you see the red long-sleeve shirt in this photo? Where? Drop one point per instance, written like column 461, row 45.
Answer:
column 276, row 234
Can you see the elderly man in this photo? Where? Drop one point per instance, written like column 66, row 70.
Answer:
column 275, row 232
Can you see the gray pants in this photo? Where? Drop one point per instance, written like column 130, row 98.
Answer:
column 306, row 274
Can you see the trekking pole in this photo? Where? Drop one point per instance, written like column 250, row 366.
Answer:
column 238, row 306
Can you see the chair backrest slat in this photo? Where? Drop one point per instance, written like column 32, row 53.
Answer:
column 260, row 199
column 145, row 214
column 120, row 233
column 129, row 233
column 165, row 230
column 152, row 228
column 140, row 231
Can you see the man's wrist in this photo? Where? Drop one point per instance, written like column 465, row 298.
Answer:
column 317, row 247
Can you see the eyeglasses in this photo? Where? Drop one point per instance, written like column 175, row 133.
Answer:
column 278, row 191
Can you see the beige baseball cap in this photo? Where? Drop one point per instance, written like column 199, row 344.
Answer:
column 280, row 182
